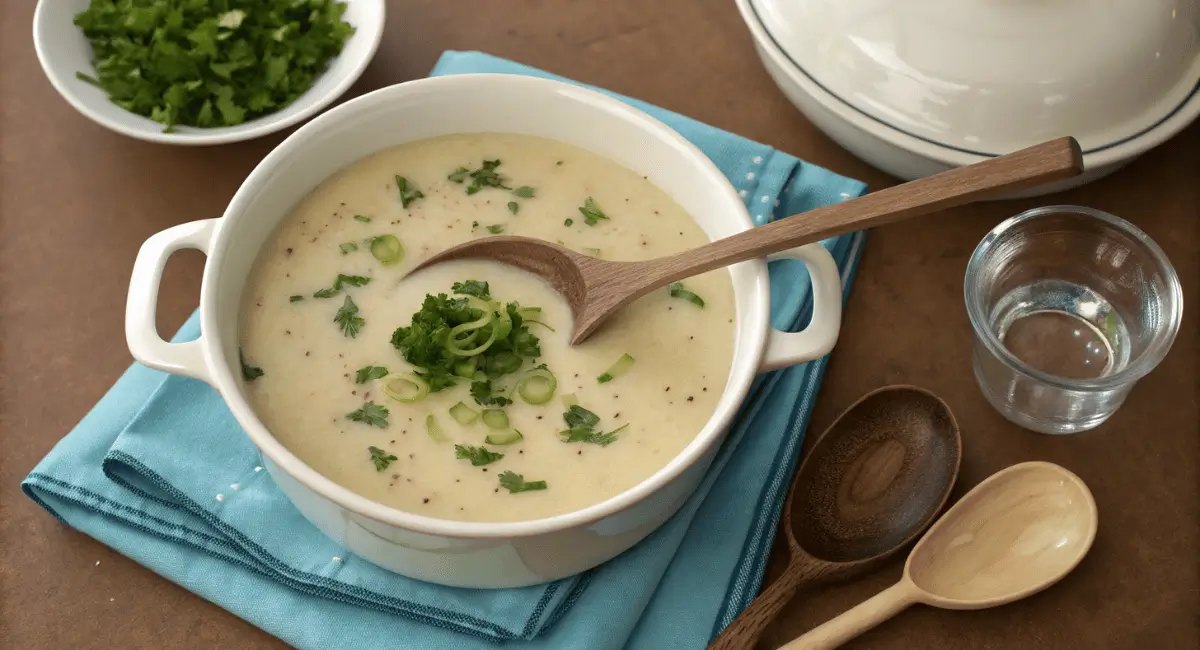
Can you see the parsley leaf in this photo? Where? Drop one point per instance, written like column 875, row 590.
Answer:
column 524, row 192
column 581, row 427
column 483, row 395
column 472, row 288
column 340, row 281
column 513, row 207
column 496, row 229
column 486, row 176
column 569, row 222
column 381, row 458
column 362, row 219
column 192, row 64
column 249, row 373
column 348, row 247
column 514, row 483
column 477, row 455
column 370, row 413
column 591, row 212
column 296, row 298
column 369, row 373
column 348, row 319
column 458, row 175
column 407, row 194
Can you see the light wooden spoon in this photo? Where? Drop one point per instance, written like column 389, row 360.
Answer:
column 1013, row 535
column 595, row 288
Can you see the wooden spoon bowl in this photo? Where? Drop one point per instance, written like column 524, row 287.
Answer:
column 872, row 483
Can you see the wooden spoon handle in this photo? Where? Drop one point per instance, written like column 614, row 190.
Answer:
column 1036, row 165
column 864, row 616
column 744, row 631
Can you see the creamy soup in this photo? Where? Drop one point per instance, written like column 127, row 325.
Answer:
column 327, row 365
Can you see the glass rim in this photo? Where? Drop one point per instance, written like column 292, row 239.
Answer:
column 1139, row 367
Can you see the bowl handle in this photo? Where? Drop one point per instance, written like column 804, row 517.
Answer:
column 141, row 334
column 790, row 348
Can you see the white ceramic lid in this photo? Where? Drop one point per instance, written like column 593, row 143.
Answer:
column 991, row 76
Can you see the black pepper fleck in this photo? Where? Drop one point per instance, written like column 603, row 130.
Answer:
column 667, row 390
column 579, row 453
column 353, row 392
column 425, row 500
column 520, row 451
column 705, row 389
column 412, row 455
column 539, row 417
column 485, row 469
column 289, row 251
column 307, row 353
column 616, row 415
column 691, row 399
column 496, row 490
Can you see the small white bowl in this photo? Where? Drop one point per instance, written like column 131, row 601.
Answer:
column 63, row 50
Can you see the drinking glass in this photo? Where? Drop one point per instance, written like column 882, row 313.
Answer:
column 1070, row 307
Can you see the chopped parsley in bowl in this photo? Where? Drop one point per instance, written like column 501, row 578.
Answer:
column 204, row 71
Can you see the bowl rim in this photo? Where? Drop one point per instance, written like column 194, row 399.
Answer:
column 1112, row 153
column 1139, row 366
column 266, row 124
column 752, row 329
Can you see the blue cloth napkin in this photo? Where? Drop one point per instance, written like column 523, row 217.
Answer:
column 160, row 471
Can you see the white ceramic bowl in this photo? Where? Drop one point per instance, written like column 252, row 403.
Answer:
column 63, row 50
column 914, row 95
column 453, row 552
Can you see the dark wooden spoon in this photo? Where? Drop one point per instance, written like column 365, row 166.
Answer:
column 596, row 288
column 873, row 482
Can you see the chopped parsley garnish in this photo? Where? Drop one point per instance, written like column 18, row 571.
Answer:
column 369, row 373
column 477, row 455
column 524, row 192
column 408, row 192
column 677, row 290
column 474, row 225
column 514, row 483
column 581, row 427
column 458, row 175
column 348, row 319
column 295, row 298
column 444, row 359
column 486, row 176
column 484, row 395
column 192, row 64
column 359, row 217
column 370, row 413
column 249, row 372
column 472, row 288
column 569, row 222
column 340, row 281
column 381, row 458
column 496, row 228
column 513, row 207
column 592, row 214
column 348, row 247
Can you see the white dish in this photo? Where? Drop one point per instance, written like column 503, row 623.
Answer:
column 63, row 50
column 442, row 551
column 917, row 88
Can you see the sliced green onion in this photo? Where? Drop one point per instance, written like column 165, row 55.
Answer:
column 537, row 386
column 495, row 418
column 387, row 249
column 530, row 315
column 434, row 429
column 569, row 400
column 677, row 290
column 617, row 369
column 406, row 388
column 466, row 333
column 463, row 414
column 466, row 368
column 502, row 326
column 506, row 437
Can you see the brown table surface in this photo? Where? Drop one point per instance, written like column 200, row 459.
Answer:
column 76, row 201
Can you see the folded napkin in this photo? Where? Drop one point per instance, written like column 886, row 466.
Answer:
column 160, row 471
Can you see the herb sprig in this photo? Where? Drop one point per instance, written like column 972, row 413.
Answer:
column 515, row 483
column 348, row 319
column 581, row 427
column 478, row 456
column 381, row 458
column 370, row 413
